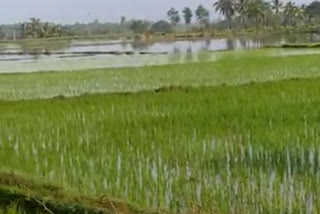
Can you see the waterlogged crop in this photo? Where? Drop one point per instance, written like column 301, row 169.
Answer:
column 231, row 68
column 252, row 148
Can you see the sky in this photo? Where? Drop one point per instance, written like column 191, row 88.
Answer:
column 71, row 11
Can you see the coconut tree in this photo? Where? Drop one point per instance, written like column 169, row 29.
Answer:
column 34, row 27
column 240, row 12
column 24, row 30
column 276, row 6
column 290, row 12
column 313, row 10
column 256, row 11
column 227, row 9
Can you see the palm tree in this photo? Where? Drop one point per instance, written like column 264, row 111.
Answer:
column 240, row 9
column 257, row 10
column 313, row 11
column 276, row 6
column 225, row 8
column 45, row 30
column 290, row 12
column 35, row 27
column 24, row 30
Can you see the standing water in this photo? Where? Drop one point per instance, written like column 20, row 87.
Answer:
column 85, row 54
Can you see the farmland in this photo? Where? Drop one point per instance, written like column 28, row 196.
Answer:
column 238, row 135
column 230, row 68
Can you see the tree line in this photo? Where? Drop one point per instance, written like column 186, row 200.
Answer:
column 273, row 14
column 252, row 13
column 37, row 29
column 237, row 15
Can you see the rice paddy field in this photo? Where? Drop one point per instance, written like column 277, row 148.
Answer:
column 229, row 68
column 238, row 135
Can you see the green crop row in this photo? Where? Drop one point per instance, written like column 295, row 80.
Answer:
column 252, row 148
column 230, row 68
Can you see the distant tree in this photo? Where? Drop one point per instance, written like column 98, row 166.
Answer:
column 256, row 11
column 276, row 6
column 24, row 33
column 2, row 34
column 37, row 29
column 123, row 20
column 34, row 27
column 187, row 15
column 203, row 15
column 173, row 16
column 161, row 26
column 46, row 30
column 139, row 26
column 225, row 8
column 313, row 10
column 290, row 12
column 240, row 12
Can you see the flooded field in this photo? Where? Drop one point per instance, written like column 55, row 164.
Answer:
column 74, row 55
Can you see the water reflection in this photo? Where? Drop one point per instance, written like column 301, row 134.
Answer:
column 190, row 50
column 175, row 56
column 243, row 43
column 139, row 45
column 124, row 45
column 207, row 44
column 189, row 55
column 230, row 44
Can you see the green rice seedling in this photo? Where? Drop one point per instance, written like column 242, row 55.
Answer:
column 250, row 148
column 231, row 68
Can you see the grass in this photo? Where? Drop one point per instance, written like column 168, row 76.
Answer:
column 230, row 69
column 250, row 148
